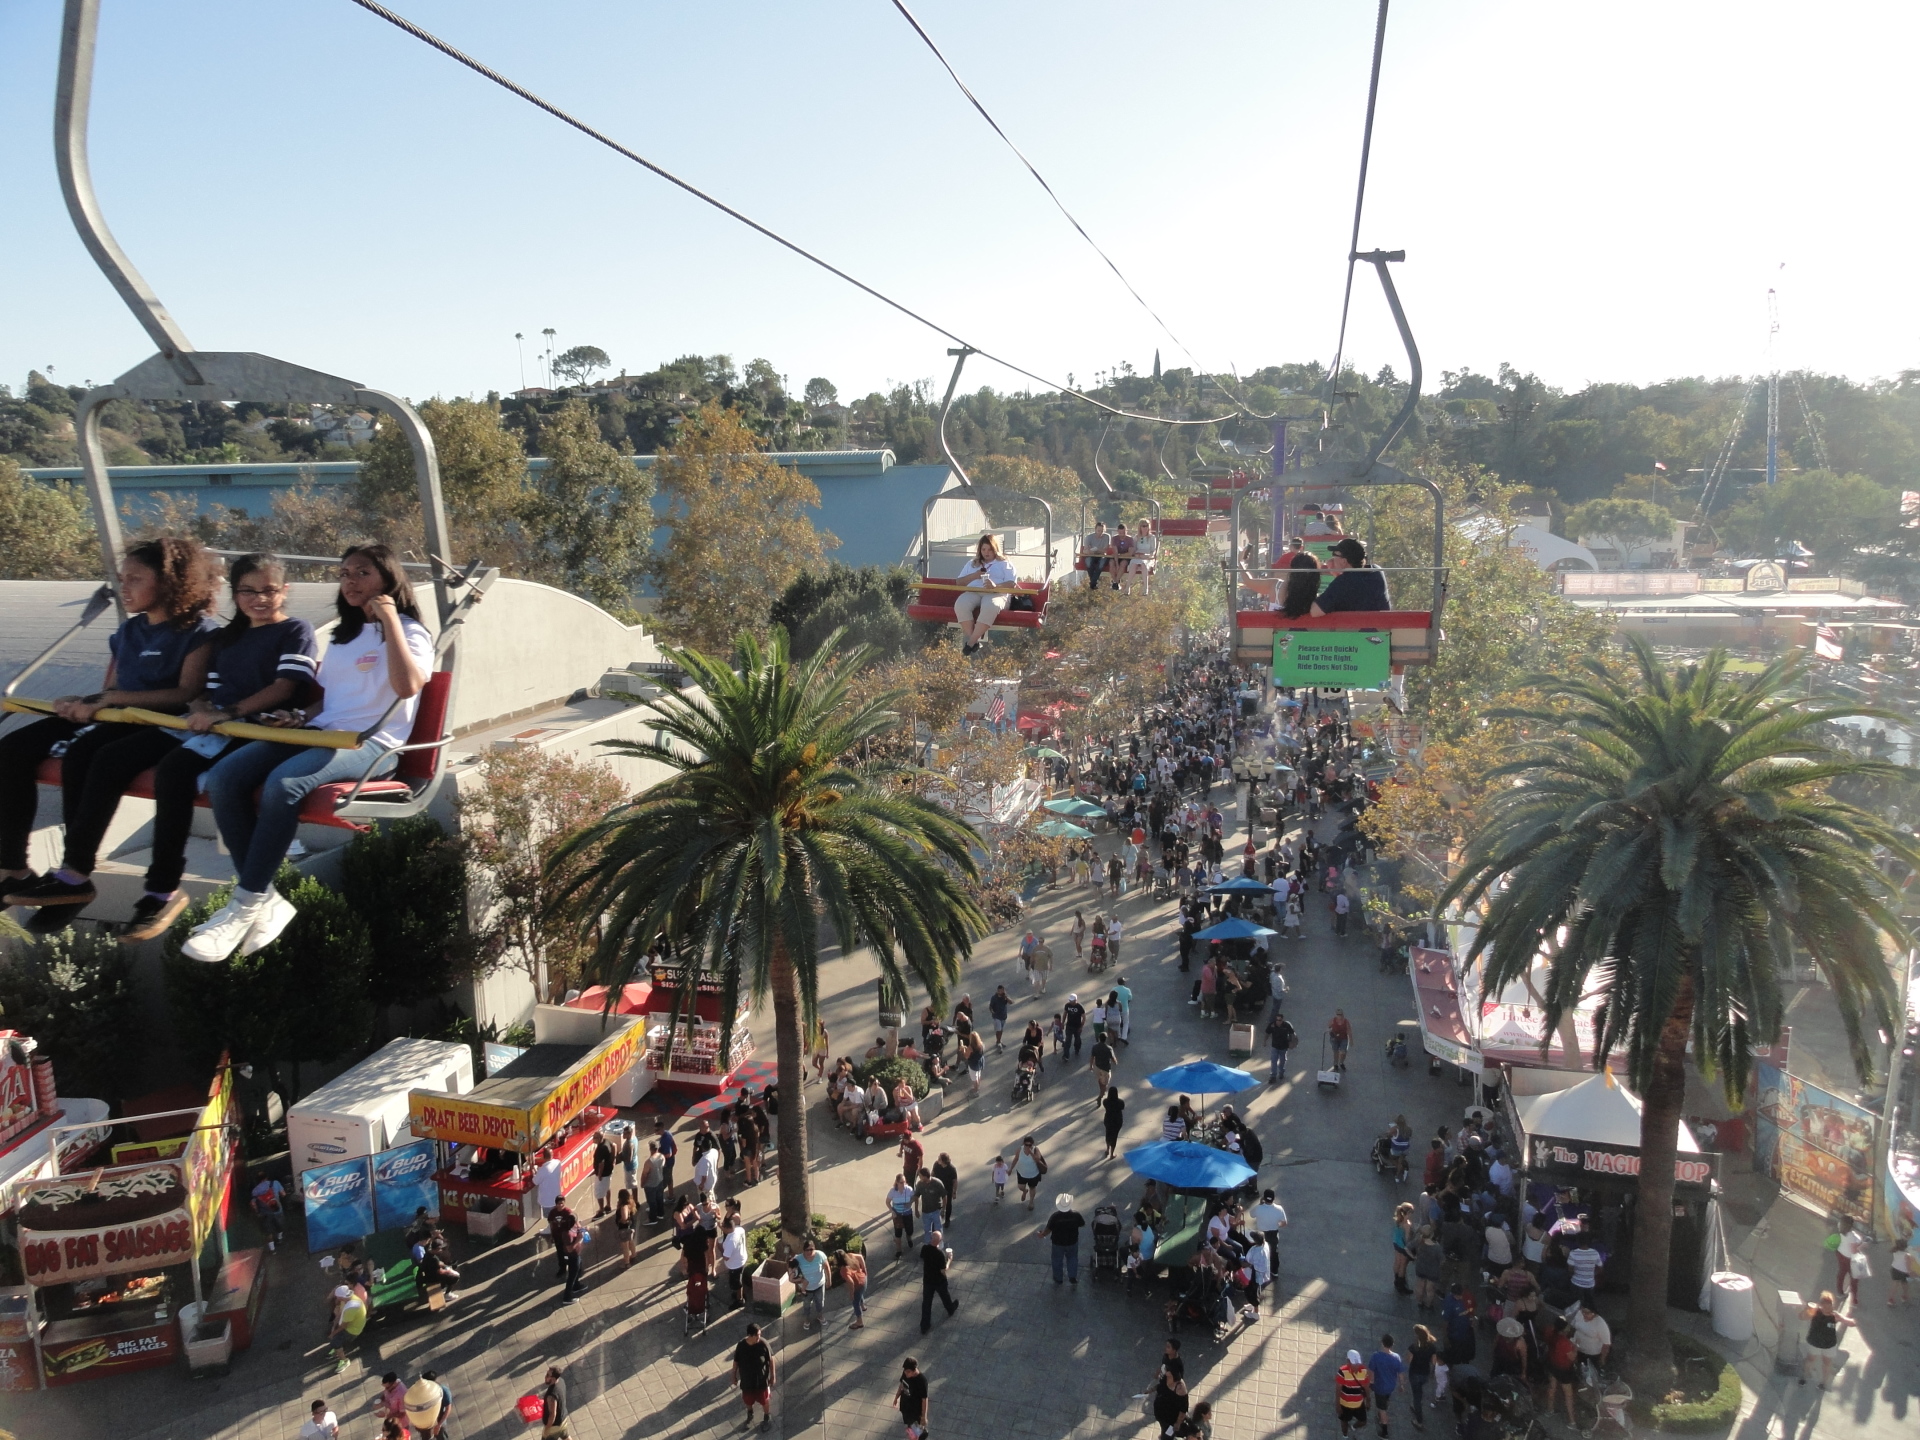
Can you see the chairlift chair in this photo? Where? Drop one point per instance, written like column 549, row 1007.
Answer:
column 180, row 372
column 933, row 601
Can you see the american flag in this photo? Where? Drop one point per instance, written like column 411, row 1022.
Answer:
column 1826, row 644
column 997, row 711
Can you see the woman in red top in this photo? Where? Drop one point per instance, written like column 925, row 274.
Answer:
column 1340, row 1031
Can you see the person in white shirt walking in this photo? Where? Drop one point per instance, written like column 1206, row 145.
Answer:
column 323, row 1425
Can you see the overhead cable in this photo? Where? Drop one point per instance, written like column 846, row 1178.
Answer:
column 1360, row 195
column 1052, row 195
column 427, row 37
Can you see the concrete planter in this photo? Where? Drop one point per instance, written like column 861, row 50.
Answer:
column 773, row 1289
column 930, row 1105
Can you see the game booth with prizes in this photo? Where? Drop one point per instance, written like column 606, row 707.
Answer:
column 126, row 1263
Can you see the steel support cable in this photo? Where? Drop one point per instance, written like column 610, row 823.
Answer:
column 1360, row 195
column 1058, row 203
column 427, row 37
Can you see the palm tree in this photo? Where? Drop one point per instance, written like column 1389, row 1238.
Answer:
column 1664, row 842
column 765, row 824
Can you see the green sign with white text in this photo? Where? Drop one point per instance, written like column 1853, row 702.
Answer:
column 1349, row 659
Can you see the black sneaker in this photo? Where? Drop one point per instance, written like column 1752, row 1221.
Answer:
column 153, row 916
column 51, row 890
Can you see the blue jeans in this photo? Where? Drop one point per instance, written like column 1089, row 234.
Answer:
column 1417, row 1393
column 1066, row 1258
column 284, row 775
column 813, row 1304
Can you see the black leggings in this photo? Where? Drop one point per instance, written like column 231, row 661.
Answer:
column 176, row 785
column 96, row 770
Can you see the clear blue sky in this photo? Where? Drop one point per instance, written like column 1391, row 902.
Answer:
column 1595, row 192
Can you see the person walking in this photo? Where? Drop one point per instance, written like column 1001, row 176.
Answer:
column 322, row 1423
column 1122, row 995
column 1075, row 1016
column 1824, row 1326
column 603, row 1162
column 935, row 1260
column 1386, row 1367
column 669, row 1149
column 900, row 1207
column 910, row 1398
column 753, row 1372
column 998, row 1006
column 653, row 1183
column 553, row 1406
column 567, row 1236
column 930, row 1199
column 1170, row 1388
column 1270, row 1218
column 1114, row 1110
column 1351, row 1383
column 1042, row 961
column 733, row 1258
column 812, row 1266
column 1420, row 1360
column 1079, row 933
column 1029, row 1168
column 1102, row 1060
column 1281, row 1037
column 912, row 1155
column 949, row 1178
column 853, row 1267
column 1063, row 1228
column 1340, row 1032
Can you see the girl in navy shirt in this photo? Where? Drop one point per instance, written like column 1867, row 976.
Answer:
column 160, row 661
column 262, row 661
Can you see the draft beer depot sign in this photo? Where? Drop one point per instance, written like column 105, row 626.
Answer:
column 1353, row 660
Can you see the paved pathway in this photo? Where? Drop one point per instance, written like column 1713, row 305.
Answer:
column 1021, row 1357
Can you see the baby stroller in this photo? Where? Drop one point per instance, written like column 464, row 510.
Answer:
column 1026, row 1084
column 697, row 1303
column 1163, row 886
column 1106, row 1241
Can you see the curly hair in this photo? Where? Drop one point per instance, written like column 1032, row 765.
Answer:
column 189, row 576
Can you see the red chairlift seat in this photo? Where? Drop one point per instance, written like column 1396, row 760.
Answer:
column 344, row 804
column 1218, row 504
column 1182, row 525
column 934, row 602
column 1412, row 633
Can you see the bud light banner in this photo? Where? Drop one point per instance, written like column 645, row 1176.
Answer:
column 339, row 1201
column 403, row 1182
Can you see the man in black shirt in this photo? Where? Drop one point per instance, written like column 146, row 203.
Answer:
column 1356, row 585
column 1063, row 1228
column 1101, row 1057
column 1075, row 1016
column 753, row 1372
column 911, row 1398
column 934, row 1261
column 1281, row 1038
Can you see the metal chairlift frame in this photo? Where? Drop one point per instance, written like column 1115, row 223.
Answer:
column 181, row 372
column 1416, row 639
column 923, row 608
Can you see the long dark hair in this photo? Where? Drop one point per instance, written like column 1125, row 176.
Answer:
column 189, row 577
column 393, row 582
column 1303, row 585
column 258, row 563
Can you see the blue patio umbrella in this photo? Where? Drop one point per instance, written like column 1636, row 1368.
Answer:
column 1187, row 1166
column 1241, row 885
column 1234, row 930
column 1203, row 1076
column 1076, row 807
column 1062, row 829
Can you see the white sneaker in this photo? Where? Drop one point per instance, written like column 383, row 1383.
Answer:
column 274, row 917
column 223, row 931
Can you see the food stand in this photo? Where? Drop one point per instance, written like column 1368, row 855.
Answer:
column 543, row 1100
column 695, row 1062
column 111, row 1255
column 1584, row 1141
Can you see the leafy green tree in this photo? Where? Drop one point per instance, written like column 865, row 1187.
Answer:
column 483, row 467
column 304, row 998
column 768, row 824
column 868, row 604
column 48, row 529
column 821, row 392
column 73, row 992
column 591, row 515
column 579, row 365
column 1677, row 828
column 1838, row 517
column 408, row 880
column 1631, row 523
column 738, row 532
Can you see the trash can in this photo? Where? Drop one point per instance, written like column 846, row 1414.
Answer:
column 1732, row 1305
column 209, row 1344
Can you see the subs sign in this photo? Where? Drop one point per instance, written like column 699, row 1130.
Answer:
column 1610, row 1163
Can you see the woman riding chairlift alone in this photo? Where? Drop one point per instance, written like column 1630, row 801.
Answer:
column 364, row 676
column 976, row 610
column 161, row 654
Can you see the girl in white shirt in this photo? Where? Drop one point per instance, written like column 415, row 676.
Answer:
column 977, row 609
column 372, row 673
